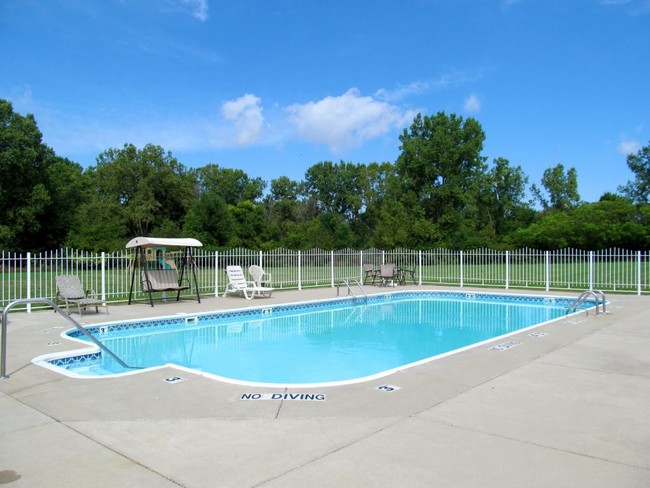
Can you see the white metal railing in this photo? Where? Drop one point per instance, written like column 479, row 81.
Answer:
column 32, row 275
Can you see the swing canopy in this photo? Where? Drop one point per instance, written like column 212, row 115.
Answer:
column 163, row 241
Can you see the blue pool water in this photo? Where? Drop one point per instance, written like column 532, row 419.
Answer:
column 317, row 342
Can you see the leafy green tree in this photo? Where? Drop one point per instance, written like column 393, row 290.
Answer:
column 210, row 221
column 227, row 212
column 561, row 189
column 284, row 196
column 68, row 190
column 233, row 185
column 403, row 227
column 249, row 226
column 327, row 231
column 98, row 227
column 502, row 198
column 440, row 167
column 638, row 189
column 336, row 188
column 148, row 191
column 284, row 209
column 373, row 183
column 39, row 191
column 591, row 226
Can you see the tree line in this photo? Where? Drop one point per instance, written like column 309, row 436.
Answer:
column 440, row 192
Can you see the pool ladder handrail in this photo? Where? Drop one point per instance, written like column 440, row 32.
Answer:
column 64, row 314
column 597, row 294
column 350, row 291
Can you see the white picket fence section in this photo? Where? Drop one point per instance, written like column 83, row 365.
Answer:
column 32, row 275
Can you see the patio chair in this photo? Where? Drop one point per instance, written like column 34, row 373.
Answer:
column 70, row 291
column 369, row 271
column 237, row 283
column 388, row 273
column 260, row 277
column 409, row 272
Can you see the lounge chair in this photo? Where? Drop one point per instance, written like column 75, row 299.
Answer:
column 70, row 291
column 388, row 273
column 237, row 283
column 260, row 277
column 408, row 272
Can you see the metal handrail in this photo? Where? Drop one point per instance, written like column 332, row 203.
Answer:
column 597, row 294
column 64, row 314
column 600, row 294
column 350, row 291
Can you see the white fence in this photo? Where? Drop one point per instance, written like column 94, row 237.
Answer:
column 32, row 275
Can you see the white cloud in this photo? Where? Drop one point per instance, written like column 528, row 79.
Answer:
column 74, row 136
column 338, row 122
column 628, row 146
column 448, row 79
column 403, row 91
column 631, row 7
column 615, row 2
column 22, row 99
column 196, row 8
column 472, row 104
column 246, row 114
column 346, row 121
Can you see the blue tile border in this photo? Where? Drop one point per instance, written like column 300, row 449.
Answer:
column 89, row 358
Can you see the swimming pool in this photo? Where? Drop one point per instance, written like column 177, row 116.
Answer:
column 311, row 343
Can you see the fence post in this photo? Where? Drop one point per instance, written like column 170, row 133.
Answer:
column 591, row 270
column 29, row 281
column 299, row 271
column 638, row 272
column 420, row 267
column 332, row 267
column 261, row 264
column 548, row 270
column 103, row 277
column 361, row 267
column 216, row 273
column 507, row 270
column 460, row 257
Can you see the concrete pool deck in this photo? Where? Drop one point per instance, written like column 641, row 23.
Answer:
column 569, row 408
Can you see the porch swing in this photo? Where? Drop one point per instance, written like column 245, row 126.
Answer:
column 160, row 274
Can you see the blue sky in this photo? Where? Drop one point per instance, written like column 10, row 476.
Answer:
column 273, row 87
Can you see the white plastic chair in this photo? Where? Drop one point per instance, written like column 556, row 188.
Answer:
column 237, row 283
column 260, row 277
